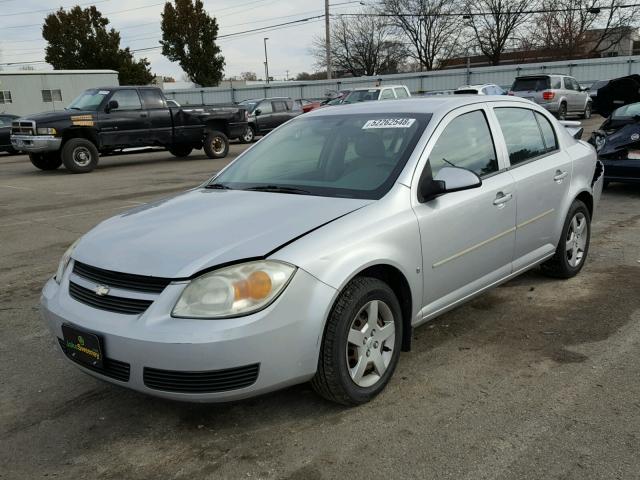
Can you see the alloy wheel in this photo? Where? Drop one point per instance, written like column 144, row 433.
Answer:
column 576, row 239
column 370, row 343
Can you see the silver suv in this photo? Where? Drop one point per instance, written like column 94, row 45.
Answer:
column 560, row 94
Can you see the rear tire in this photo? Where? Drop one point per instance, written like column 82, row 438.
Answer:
column 571, row 252
column 181, row 151
column 46, row 161
column 562, row 112
column 80, row 155
column 359, row 351
column 216, row 144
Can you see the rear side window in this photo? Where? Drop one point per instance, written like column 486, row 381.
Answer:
column 527, row 84
column 548, row 134
column 466, row 142
column 521, row 133
column 556, row 83
column 401, row 93
column 151, row 98
column 279, row 106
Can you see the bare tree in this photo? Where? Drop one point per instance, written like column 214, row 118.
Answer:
column 431, row 27
column 249, row 76
column 579, row 28
column 361, row 45
column 495, row 22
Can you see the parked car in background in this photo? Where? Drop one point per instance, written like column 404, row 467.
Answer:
column 593, row 93
column 617, row 142
column 111, row 119
column 484, row 89
column 314, row 254
column 5, row 133
column 338, row 97
column 172, row 104
column 308, row 105
column 387, row 92
column 266, row 114
column 562, row 95
column 616, row 93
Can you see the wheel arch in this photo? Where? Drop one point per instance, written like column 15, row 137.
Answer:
column 219, row 125
column 397, row 281
column 80, row 132
column 585, row 197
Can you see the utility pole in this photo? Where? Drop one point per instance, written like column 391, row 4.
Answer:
column 327, row 35
column 266, row 61
column 287, row 75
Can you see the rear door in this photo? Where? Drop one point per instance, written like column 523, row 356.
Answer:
column 127, row 125
column 161, row 132
column 281, row 113
column 542, row 172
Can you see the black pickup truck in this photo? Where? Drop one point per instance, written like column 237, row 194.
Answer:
column 110, row 119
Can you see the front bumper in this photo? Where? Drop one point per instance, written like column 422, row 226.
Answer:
column 36, row 143
column 283, row 340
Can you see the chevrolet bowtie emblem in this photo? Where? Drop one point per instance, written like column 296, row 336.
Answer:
column 101, row 290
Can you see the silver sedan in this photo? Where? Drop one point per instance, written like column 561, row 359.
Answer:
column 315, row 253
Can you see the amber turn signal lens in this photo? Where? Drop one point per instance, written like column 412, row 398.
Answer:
column 256, row 287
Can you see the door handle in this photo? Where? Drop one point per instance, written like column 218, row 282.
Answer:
column 143, row 114
column 502, row 198
column 560, row 175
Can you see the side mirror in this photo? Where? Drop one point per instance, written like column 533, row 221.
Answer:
column 112, row 105
column 257, row 112
column 447, row 180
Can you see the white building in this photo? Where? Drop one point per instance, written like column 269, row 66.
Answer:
column 33, row 91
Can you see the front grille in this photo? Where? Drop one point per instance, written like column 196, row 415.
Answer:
column 111, row 368
column 23, row 128
column 201, row 382
column 125, row 281
column 129, row 306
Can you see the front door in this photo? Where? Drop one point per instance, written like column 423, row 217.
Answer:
column 542, row 173
column 467, row 237
column 127, row 125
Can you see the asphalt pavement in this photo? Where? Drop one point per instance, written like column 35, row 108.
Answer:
column 537, row 379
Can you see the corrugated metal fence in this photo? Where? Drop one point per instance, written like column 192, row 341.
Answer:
column 585, row 71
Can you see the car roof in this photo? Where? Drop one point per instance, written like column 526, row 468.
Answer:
column 440, row 104
column 380, row 87
column 479, row 86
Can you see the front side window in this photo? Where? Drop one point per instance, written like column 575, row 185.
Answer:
column 521, row 134
column 387, row 94
column 401, row 93
column 467, row 143
column 354, row 156
column 127, row 100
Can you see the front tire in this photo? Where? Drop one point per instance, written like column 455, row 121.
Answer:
column 46, row 161
column 571, row 252
column 79, row 155
column 587, row 111
column 361, row 343
column 181, row 151
column 249, row 135
column 216, row 144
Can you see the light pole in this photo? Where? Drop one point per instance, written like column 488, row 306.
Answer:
column 327, row 38
column 266, row 60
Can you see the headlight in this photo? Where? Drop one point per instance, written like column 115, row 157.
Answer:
column 600, row 141
column 64, row 261
column 46, row 131
column 234, row 291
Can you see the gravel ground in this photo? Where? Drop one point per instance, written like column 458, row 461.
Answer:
column 535, row 379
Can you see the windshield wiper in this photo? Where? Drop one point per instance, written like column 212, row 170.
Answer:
column 217, row 186
column 279, row 189
column 74, row 108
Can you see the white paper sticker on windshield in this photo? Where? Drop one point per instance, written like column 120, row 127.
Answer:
column 103, row 92
column 389, row 123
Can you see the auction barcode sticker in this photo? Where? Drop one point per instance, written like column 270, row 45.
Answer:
column 389, row 123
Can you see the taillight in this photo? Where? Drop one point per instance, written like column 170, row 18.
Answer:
column 548, row 95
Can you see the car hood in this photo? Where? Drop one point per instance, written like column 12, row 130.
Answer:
column 179, row 236
column 58, row 116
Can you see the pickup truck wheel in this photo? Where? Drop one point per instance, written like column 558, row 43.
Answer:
column 180, row 151
column 249, row 135
column 216, row 144
column 79, row 155
column 46, row 161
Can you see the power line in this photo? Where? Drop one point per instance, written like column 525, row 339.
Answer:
column 50, row 9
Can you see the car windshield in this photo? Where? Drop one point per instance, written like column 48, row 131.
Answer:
column 628, row 111
column 249, row 104
column 362, row 96
column 354, row 156
column 599, row 84
column 89, row 100
column 530, row 84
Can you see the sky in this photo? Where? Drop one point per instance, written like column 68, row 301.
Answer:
column 139, row 26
